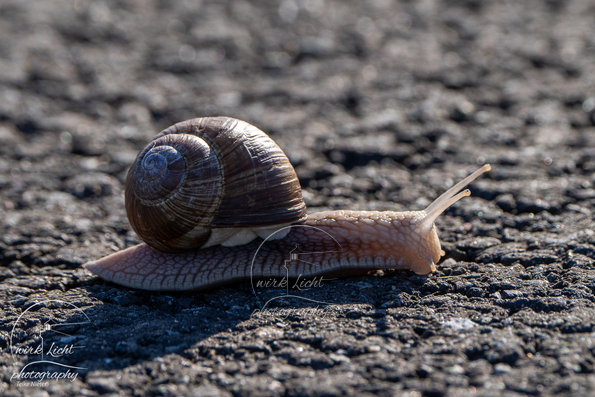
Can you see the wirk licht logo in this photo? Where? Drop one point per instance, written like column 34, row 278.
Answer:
column 286, row 253
column 40, row 353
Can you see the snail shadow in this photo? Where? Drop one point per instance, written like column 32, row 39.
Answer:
column 117, row 327
column 124, row 327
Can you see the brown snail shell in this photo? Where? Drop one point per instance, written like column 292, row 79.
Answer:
column 208, row 181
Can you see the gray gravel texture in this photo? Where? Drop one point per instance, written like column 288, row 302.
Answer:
column 379, row 105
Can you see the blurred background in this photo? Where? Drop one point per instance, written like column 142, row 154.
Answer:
column 378, row 104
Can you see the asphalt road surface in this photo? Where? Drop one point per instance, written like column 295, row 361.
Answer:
column 379, row 105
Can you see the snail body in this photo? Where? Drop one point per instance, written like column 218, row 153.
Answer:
column 201, row 251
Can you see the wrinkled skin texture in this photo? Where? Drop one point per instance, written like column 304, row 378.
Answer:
column 339, row 242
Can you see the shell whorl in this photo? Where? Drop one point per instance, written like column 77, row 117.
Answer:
column 209, row 173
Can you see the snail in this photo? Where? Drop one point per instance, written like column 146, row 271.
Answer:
column 216, row 201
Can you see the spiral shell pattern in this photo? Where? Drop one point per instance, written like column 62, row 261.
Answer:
column 209, row 173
